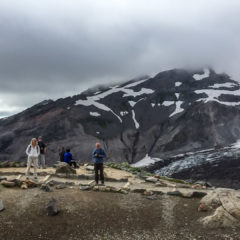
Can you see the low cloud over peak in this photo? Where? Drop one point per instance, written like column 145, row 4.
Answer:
column 56, row 48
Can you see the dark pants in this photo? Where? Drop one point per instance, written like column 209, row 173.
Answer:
column 73, row 163
column 99, row 167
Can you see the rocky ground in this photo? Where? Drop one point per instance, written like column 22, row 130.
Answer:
column 128, row 207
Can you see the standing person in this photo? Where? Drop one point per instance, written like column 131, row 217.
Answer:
column 43, row 151
column 68, row 158
column 33, row 152
column 61, row 154
column 98, row 155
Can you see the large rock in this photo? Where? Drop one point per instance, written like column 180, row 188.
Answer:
column 226, row 203
column 8, row 183
column 65, row 168
column 52, row 207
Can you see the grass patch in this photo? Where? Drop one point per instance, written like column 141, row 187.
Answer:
column 175, row 180
column 124, row 166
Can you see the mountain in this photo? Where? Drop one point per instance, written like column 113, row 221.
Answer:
column 176, row 111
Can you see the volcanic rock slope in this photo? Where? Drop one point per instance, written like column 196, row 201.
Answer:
column 176, row 111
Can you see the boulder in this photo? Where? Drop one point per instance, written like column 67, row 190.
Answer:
column 8, row 183
column 52, row 208
column 226, row 204
column 2, row 178
column 220, row 218
column 1, row 206
column 65, row 168
column 151, row 179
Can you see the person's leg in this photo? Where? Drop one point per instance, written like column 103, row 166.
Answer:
column 35, row 164
column 39, row 161
column 96, row 172
column 101, row 172
column 29, row 162
column 43, row 161
column 75, row 164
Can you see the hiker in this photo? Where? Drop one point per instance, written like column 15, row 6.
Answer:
column 61, row 154
column 33, row 152
column 68, row 158
column 98, row 155
column 43, row 150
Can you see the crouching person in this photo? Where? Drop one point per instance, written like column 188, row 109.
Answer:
column 98, row 155
column 33, row 152
column 68, row 158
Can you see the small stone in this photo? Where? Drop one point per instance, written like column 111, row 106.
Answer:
column 151, row 179
column 126, row 186
column 52, row 207
column 148, row 193
column 90, row 168
column 138, row 190
column 61, row 186
column 175, row 193
column 24, row 186
column 85, row 187
column 1, row 206
column 202, row 208
column 197, row 186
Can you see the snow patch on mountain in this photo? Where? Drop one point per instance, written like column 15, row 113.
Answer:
column 236, row 144
column 168, row 103
column 214, row 94
column 93, row 100
column 178, row 84
column 130, row 92
column 146, row 161
column 178, row 108
column 123, row 113
column 206, row 74
column 95, row 114
column 224, row 85
column 134, row 120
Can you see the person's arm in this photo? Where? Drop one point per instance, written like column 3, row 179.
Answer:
column 38, row 150
column 27, row 150
column 93, row 154
column 45, row 149
column 103, row 155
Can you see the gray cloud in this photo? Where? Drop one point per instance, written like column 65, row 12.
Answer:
column 56, row 48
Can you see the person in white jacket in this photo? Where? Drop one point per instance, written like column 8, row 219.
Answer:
column 33, row 152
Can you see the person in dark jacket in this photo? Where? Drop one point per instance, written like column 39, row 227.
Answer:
column 98, row 156
column 61, row 154
column 68, row 158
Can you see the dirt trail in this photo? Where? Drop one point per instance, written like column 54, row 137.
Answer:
column 91, row 215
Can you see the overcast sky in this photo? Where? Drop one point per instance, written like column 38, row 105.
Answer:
column 56, row 48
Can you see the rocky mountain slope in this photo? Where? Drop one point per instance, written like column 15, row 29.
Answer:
column 174, row 112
